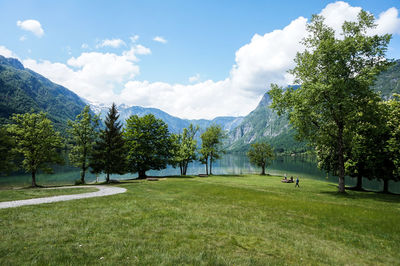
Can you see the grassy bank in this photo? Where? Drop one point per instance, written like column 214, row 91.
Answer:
column 23, row 193
column 217, row 221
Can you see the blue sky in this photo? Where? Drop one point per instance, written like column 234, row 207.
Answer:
column 209, row 47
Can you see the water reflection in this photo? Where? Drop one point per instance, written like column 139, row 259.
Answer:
column 237, row 164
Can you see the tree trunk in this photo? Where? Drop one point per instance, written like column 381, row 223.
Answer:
column 83, row 170
column 341, row 159
column 181, row 168
column 108, row 178
column 142, row 174
column 207, row 166
column 359, row 183
column 185, row 166
column 385, row 186
column 211, row 164
column 34, row 179
column 263, row 169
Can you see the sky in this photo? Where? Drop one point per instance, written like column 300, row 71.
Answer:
column 191, row 59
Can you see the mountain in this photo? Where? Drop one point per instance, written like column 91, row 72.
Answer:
column 22, row 89
column 175, row 124
column 388, row 82
column 264, row 124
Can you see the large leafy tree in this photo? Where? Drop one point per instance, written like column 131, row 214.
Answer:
column 261, row 154
column 335, row 74
column 184, row 151
column 149, row 144
column 109, row 154
column 211, row 146
column 83, row 132
column 37, row 141
column 393, row 142
column 6, row 150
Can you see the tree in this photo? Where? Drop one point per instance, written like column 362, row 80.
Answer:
column 83, row 132
column 149, row 144
column 184, row 151
column 261, row 154
column 335, row 74
column 37, row 141
column 393, row 142
column 6, row 150
column 109, row 154
column 211, row 146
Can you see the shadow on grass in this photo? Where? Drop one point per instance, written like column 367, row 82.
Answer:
column 392, row 198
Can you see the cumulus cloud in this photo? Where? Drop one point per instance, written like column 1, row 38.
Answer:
column 159, row 39
column 388, row 22
column 265, row 59
column 6, row 52
column 84, row 46
column 93, row 75
column 31, row 25
column 114, row 43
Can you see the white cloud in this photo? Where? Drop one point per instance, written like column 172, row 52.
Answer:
column 31, row 25
column 388, row 22
column 134, row 38
column 22, row 38
column 84, row 46
column 159, row 39
column 194, row 78
column 114, row 43
column 6, row 52
column 108, row 77
column 93, row 75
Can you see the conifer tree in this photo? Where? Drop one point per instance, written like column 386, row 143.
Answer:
column 108, row 154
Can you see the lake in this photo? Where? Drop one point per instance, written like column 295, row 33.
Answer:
column 235, row 164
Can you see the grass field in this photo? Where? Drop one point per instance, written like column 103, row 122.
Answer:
column 220, row 220
column 21, row 194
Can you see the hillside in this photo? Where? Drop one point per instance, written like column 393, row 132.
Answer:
column 22, row 89
column 263, row 124
column 388, row 82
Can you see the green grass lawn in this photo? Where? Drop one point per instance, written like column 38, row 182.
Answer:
column 21, row 194
column 220, row 220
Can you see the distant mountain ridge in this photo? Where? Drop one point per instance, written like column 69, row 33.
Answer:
column 175, row 124
column 22, row 89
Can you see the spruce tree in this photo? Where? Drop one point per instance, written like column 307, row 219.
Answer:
column 108, row 154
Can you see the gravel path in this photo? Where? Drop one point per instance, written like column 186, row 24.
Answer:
column 103, row 191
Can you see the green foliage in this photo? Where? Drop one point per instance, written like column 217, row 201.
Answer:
column 109, row 154
column 6, row 150
column 37, row 141
column 261, row 154
column 83, row 132
column 149, row 144
column 211, row 146
column 393, row 123
column 184, row 148
column 335, row 76
column 22, row 90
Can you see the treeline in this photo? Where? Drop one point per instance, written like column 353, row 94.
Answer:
column 144, row 144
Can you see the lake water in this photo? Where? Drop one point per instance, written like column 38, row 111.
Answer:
column 229, row 164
